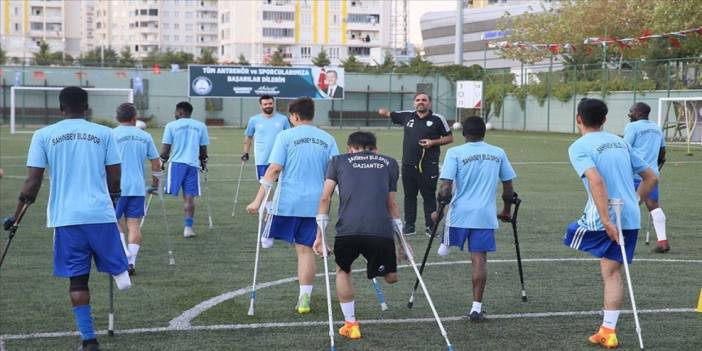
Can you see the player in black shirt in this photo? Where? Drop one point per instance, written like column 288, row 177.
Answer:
column 425, row 132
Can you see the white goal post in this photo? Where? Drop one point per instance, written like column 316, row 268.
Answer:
column 13, row 90
column 682, row 116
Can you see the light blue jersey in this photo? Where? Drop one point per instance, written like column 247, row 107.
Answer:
column 304, row 152
column 475, row 168
column 616, row 163
column 135, row 146
column 264, row 130
column 76, row 152
column 186, row 135
column 646, row 139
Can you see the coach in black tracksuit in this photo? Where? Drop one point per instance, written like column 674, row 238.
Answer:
column 425, row 132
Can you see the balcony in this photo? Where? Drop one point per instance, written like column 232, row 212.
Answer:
column 362, row 6
column 278, row 5
column 363, row 38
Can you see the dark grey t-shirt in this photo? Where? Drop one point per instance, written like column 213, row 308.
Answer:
column 364, row 180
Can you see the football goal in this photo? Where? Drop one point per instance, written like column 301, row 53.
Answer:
column 681, row 119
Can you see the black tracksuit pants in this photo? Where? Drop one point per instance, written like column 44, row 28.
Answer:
column 420, row 180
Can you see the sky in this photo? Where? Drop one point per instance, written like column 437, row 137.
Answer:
column 419, row 7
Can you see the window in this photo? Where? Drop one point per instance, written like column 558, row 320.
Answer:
column 176, row 38
column 166, row 38
column 189, row 14
column 278, row 32
column 305, row 52
column 225, row 17
column 166, row 13
column 359, row 51
column 359, row 18
column 306, row 19
column 153, row 12
column 17, row 27
column 176, row 26
column 36, row 26
column 334, row 53
column 335, row 20
column 278, row 16
column 188, row 38
column 166, row 26
column 176, row 14
column 306, row 4
column 36, row 11
column 189, row 27
column 142, row 12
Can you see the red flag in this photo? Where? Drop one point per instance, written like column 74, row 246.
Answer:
column 80, row 75
column 646, row 33
column 699, row 31
column 588, row 50
column 674, row 42
column 156, row 69
column 121, row 75
column 553, row 48
column 622, row 43
column 38, row 75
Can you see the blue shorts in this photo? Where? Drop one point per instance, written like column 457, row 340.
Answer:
column 76, row 245
column 130, row 207
column 298, row 230
column 261, row 171
column 183, row 176
column 598, row 244
column 479, row 240
column 654, row 193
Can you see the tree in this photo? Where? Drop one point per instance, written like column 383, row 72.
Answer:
column 351, row 64
column 243, row 61
column 3, row 56
column 126, row 59
column 207, row 57
column 277, row 59
column 321, row 60
column 99, row 57
column 43, row 57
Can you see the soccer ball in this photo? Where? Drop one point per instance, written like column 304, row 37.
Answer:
column 488, row 126
column 457, row 126
column 140, row 124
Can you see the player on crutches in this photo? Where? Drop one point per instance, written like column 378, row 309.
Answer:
column 367, row 185
column 606, row 166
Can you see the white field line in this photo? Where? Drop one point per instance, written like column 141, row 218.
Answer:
column 320, row 323
column 183, row 322
column 185, row 319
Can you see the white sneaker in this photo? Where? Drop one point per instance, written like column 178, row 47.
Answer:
column 188, row 232
column 443, row 250
column 267, row 243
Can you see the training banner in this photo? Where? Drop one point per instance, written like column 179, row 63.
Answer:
column 254, row 81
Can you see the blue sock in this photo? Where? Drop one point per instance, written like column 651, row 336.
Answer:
column 84, row 321
column 188, row 221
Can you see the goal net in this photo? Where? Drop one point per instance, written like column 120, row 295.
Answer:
column 681, row 120
column 32, row 107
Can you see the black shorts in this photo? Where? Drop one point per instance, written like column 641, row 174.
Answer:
column 378, row 251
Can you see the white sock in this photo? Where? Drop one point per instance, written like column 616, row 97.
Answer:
column 659, row 223
column 267, row 243
column 443, row 250
column 477, row 307
column 610, row 318
column 122, row 280
column 306, row 289
column 349, row 311
column 134, row 250
column 124, row 245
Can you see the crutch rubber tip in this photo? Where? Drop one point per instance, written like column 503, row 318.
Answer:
column 383, row 306
column 171, row 261
column 524, row 299
column 647, row 243
column 251, row 311
column 409, row 305
column 450, row 348
column 333, row 348
column 110, row 333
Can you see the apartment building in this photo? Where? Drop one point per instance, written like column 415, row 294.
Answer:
column 25, row 23
column 146, row 25
column 302, row 28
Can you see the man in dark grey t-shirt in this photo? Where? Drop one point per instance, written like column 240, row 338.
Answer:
column 367, row 208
